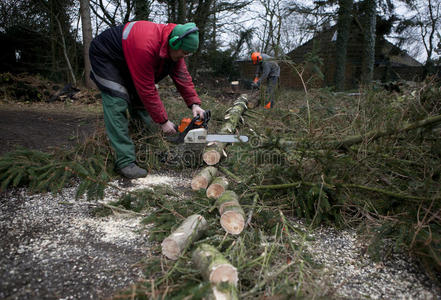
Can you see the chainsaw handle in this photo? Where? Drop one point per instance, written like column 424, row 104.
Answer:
column 189, row 125
column 207, row 116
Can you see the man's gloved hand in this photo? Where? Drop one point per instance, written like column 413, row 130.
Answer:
column 254, row 85
column 197, row 110
column 168, row 127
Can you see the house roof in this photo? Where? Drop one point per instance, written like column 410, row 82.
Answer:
column 386, row 52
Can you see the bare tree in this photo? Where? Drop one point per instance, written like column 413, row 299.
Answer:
column 272, row 26
column 421, row 27
column 87, row 39
column 112, row 12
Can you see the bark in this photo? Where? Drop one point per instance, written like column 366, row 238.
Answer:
column 203, row 178
column 182, row 11
column 217, row 187
column 214, row 153
column 213, row 266
column 87, row 39
column 343, row 31
column 142, row 9
column 373, row 135
column 232, row 215
column 189, row 231
column 367, row 68
column 223, row 292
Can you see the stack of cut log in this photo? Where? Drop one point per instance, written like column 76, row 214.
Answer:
column 213, row 266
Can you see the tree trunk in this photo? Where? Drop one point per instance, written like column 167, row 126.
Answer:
column 343, row 31
column 232, row 214
column 214, row 153
column 217, row 187
column 66, row 57
column 142, row 9
column 349, row 141
column 188, row 232
column 87, row 39
column 182, row 11
column 213, row 266
column 367, row 67
column 203, row 178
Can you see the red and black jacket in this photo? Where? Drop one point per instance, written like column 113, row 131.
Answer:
column 128, row 60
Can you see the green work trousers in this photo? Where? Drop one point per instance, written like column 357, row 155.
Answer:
column 117, row 127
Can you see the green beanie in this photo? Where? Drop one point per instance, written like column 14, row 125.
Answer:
column 190, row 43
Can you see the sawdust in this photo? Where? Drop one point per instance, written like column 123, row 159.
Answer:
column 52, row 246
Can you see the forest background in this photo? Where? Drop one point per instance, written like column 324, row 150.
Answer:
column 51, row 37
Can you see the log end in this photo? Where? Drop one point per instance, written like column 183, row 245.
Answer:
column 224, row 273
column 199, row 182
column 233, row 222
column 211, row 157
column 170, row 249
column 214, row 191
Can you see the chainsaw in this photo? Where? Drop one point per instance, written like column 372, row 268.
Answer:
column 195, row 131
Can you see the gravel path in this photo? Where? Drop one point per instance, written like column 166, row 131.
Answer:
column 52, row 247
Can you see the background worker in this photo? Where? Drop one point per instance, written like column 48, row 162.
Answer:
column 127, row 61
column 267, row 68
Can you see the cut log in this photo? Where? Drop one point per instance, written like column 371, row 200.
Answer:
column 203, row 178
column 189, row 231
column 213, row 154
column 217, row 187
column 225, row 291
column 232, row 214
column 213, row 266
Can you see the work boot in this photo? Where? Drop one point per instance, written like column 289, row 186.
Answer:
column 132, row 171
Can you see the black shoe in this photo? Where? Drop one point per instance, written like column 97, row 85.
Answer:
column 132, row 171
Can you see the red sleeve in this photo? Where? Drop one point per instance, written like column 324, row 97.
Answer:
column 184, row 83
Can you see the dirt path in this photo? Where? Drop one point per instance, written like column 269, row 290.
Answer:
column 42, row 128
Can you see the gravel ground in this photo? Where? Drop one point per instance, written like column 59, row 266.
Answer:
column 351, row 275
column 52, row 247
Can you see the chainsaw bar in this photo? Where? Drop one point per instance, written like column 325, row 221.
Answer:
column 226, row 138
column 199, row 135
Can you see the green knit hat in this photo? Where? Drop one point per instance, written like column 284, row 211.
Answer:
column 190, row 43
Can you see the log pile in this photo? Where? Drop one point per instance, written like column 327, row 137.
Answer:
column 213, row 266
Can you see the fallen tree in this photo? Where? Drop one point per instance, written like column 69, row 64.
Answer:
column 349, row 141
column 213, row 153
